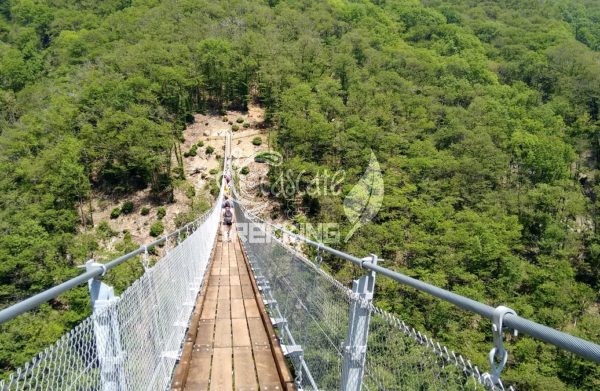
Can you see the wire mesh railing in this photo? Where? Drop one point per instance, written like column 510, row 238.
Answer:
column 312, row 312
column 131, row 342
column 401, row 358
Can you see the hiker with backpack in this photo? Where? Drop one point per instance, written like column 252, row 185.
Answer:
column 228, row 217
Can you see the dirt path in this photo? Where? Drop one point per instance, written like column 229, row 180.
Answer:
column 207, row 130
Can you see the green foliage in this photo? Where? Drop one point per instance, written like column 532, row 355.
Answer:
column 257, row 141
column 213, row 187
column 145, row 211
column 245, row 171
column 115, row 213
column 200, row 144
column 193, row 151
column 104, row 230
column 190, row 191
column 266, row 157
column 239, row 120
column 246, row 125
column 213, row 171
column 157, row 228
column 210, row 149
column 127, row 207
column 235, row 128
column 161, row 212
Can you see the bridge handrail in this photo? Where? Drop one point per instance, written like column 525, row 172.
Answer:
column 96, row 271
column 581, row 347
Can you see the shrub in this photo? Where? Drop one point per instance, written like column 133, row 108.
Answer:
column 244, row 171
column 257, row 141
column 190, row 191
column 235, row 128
column 230, row 122
column 209, row 150
column 213, row 186
column 239, row 120
column 266, row 157
column 127, row 207
column 104, row 230
column 186, row 154
column 157, row 228
column 161, row 212
column 246, row 125
column 225, row 119
column 200, row 144
column 116, row 212
column 213, row 171
column 178, row 172
column 145, row 211
column 193, row 151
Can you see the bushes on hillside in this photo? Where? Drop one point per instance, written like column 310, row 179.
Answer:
column 157, row 228
column 127, row 208
column 115, row 213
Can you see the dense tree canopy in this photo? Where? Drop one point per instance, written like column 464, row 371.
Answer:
column 484, row 117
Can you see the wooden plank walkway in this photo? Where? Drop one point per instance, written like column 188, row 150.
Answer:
column 231, row 344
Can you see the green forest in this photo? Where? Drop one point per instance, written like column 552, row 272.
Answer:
column 484, row 117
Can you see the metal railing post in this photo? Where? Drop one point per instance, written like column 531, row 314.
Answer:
column 355, row 349
column 106, row 332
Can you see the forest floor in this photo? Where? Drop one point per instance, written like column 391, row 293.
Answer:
column 209, row 129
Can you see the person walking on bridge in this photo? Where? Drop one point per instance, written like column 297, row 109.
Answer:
column 228, row 216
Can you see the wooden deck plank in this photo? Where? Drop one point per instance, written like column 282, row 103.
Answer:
column 244, row 279
column 241, row 335
column 199, row 373
column 223, row 293
column 206, row 332
column 237, row 309
column 224, row 309
column 221, row 373
column 223, row 333
column 244, row 371
column 211, row 292
column 209, row 309
column 234, row 279
column 268, row 378
column 258, row 335
column 235, row 292
column 247, row 292
column 216, row 280
column 251, row 308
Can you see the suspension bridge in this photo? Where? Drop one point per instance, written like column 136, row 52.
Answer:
column 254, row 313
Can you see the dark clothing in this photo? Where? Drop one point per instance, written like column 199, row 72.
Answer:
column 228, row 217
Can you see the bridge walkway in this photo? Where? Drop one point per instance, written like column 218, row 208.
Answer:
column 230, row 343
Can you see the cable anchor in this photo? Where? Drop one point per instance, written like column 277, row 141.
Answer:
column 146, row 259
column 319, row 256
column 498, row 351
